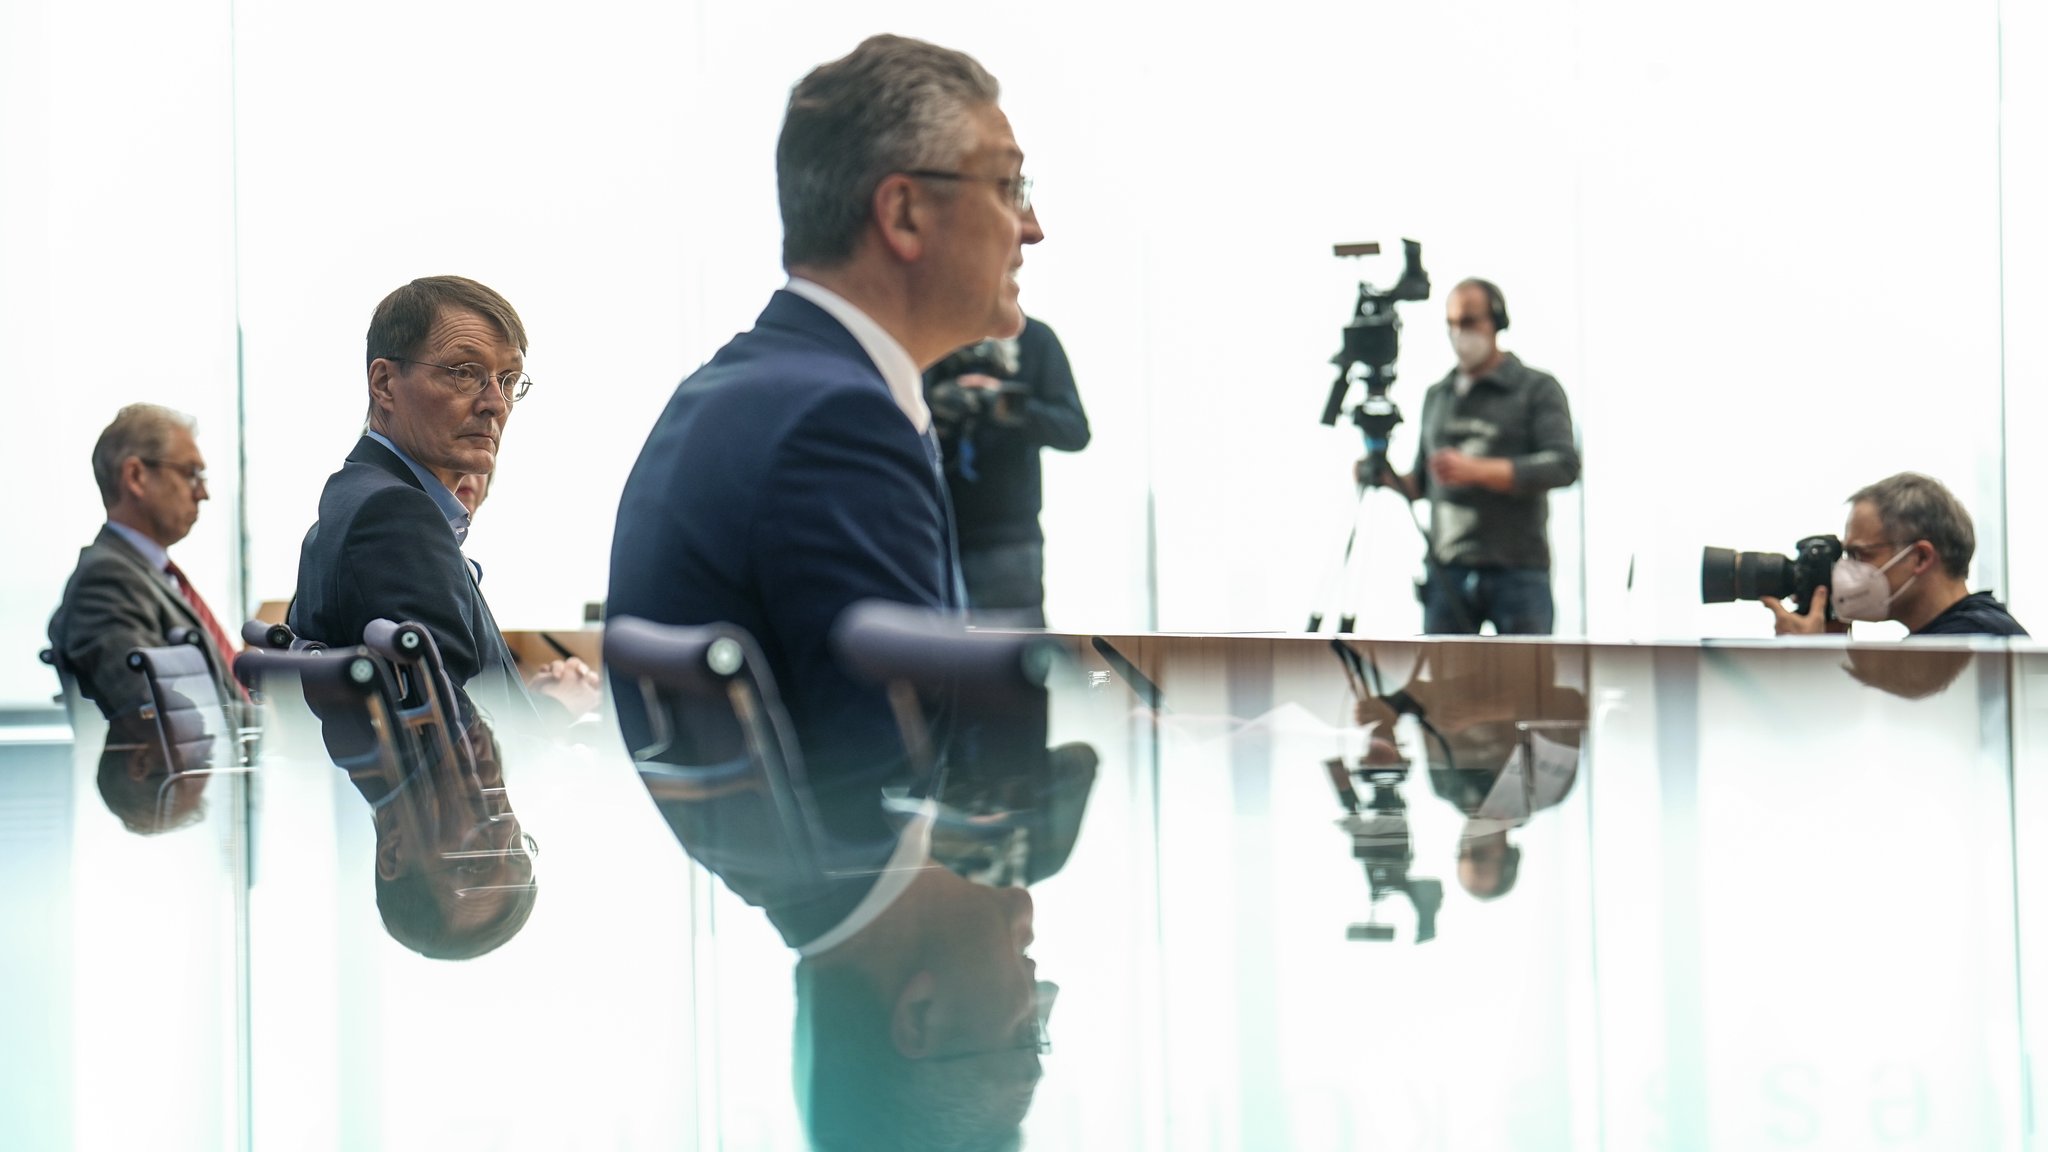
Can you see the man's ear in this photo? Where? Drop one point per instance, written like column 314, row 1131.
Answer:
column 1923, row 562
column 902, row 217
column 131, row 477
column 383, row 386
column 911, row 1027
column 389, row 867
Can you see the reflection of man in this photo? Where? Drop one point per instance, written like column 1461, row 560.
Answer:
column 445, row 366
column 920, row 1020
column 126, row 592
column 795, row 474
column 1905, row 556
column 996, row 405
column 1504, row 746
column 454, row 871
column 1496, row 437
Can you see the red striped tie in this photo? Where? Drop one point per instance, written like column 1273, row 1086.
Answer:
column 221, row 644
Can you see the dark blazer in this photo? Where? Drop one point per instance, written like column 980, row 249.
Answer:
column 116, row 601
column 781, row 485
column 382, row 549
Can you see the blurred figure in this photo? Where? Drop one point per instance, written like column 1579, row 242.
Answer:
column 569, row 681
column 126, row 592
column 1496, row 437
column 796, row 474
column 996, row 406
column 1906, row 553
column 1502, row 739
column 1907, row 671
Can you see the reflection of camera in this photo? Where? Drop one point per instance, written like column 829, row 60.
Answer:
column 1726, row 574
column 1381, row 842
column 956, row 408
column 1373, row 341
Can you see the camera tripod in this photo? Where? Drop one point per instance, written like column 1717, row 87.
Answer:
column 1376, row 417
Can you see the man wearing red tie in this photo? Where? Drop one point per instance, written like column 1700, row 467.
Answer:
column 127, row 592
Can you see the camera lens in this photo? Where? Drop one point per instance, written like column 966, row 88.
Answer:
column 1726, row 575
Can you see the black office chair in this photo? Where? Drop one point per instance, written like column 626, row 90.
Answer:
column 188, row 723
column 973, row 709
column 717, row 727
column 260, row 636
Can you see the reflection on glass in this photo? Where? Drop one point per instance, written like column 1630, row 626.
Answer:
column 920, row 1019
column 152, row 788
column 1907, row 670
column 454, row 871
column 1500, row 732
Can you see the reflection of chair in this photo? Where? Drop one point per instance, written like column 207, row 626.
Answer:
column 193, row 733
column 716, row 723
column 1007, row 805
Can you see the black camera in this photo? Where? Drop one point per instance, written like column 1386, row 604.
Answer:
column 956, row 408
column 1380, row 841
column 1372, row 341
column 1726, row 574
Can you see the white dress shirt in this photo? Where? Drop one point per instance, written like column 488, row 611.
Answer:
column 906, row 383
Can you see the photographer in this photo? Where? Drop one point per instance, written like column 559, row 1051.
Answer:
column 1496, row 438
column 1905, row 556
column 995, row 405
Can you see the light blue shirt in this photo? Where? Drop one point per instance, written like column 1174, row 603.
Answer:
column 155, row 553
column 458, row 516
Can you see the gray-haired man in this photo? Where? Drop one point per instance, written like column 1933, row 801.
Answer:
column 1905, row 556
column 126, row 592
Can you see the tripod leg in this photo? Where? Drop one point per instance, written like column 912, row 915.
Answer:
column 1332, row 586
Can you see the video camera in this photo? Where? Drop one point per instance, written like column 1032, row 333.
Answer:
column 1381, row 842
column 1727, row 575
column 1372, row 341
column 956, row 408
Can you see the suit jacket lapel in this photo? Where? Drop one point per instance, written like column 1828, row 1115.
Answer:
column 158, row 582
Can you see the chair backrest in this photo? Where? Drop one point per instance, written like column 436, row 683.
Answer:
column 718, row 727
column 931, row 665
column 429, row 707
column 190, row 721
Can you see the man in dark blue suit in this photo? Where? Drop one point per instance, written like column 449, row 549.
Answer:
column 445, row 358
column 796, row 473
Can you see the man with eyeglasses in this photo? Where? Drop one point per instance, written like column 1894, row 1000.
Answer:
column 126, row 591
column 445, row 359
column 797, row 473
column 1905, row 556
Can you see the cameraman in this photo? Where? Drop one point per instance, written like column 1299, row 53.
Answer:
column 995, row 405
column 1905, row 556
column 1496, row 438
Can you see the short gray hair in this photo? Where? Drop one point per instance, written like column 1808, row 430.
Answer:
column 142, row 430
column 891, row 105
column 1914, row 507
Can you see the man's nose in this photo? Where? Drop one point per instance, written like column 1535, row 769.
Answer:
column 1033, row 233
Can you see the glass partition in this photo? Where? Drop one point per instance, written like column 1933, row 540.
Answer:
column 1281, row 892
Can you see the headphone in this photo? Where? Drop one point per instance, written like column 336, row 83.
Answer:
column 1495, row 302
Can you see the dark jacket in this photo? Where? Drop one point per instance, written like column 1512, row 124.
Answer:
column 781, row 485
column 115, row 602
column 382, row 549
column 992, row 466
column 1515, row 412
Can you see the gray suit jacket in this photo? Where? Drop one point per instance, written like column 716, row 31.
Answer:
column 114, row 602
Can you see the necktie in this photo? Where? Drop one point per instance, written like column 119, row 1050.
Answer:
column 224, row 647
column 957, row 587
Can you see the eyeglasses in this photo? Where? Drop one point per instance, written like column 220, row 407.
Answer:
column 1033, row 1037
column 194, row 474
column 1865, row 553
column 1016, row 188
column 470, row 379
